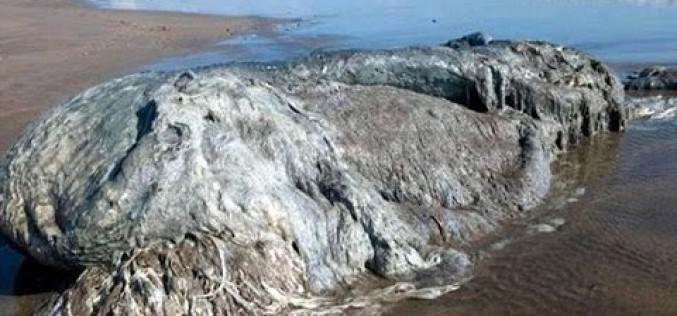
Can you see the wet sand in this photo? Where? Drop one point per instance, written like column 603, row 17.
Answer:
column 52, row 49
column 615, row 255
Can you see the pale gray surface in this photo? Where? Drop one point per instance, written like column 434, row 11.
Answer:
column 264, row 183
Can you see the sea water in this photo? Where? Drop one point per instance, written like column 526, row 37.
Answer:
column 617, row 31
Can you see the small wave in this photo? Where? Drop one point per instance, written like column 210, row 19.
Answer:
column 655, row 107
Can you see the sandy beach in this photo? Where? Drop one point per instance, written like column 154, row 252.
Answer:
column 52, row 49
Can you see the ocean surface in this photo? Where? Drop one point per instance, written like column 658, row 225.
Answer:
column 618, row 31
column 616, row 254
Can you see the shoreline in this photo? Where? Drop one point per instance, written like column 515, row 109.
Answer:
column 53, row 49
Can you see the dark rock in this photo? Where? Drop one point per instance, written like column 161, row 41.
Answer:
column 653, row 78
column 260, row 187
column 470, row 40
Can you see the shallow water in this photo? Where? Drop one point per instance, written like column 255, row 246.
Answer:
column 616, row 254
column 616, row 30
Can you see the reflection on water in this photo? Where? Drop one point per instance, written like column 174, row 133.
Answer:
column 616, row 254
column 615, row 30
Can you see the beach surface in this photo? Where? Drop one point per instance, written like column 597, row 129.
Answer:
column 50, row 50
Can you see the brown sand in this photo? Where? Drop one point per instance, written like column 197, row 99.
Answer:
column 52, row 49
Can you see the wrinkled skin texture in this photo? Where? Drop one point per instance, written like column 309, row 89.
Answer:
column 255, row 188
column 653, row 78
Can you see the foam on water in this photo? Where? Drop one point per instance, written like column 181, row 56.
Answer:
column 653, row 106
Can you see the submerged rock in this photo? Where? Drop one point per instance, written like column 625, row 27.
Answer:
column 653, row 78
column 261, row 188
